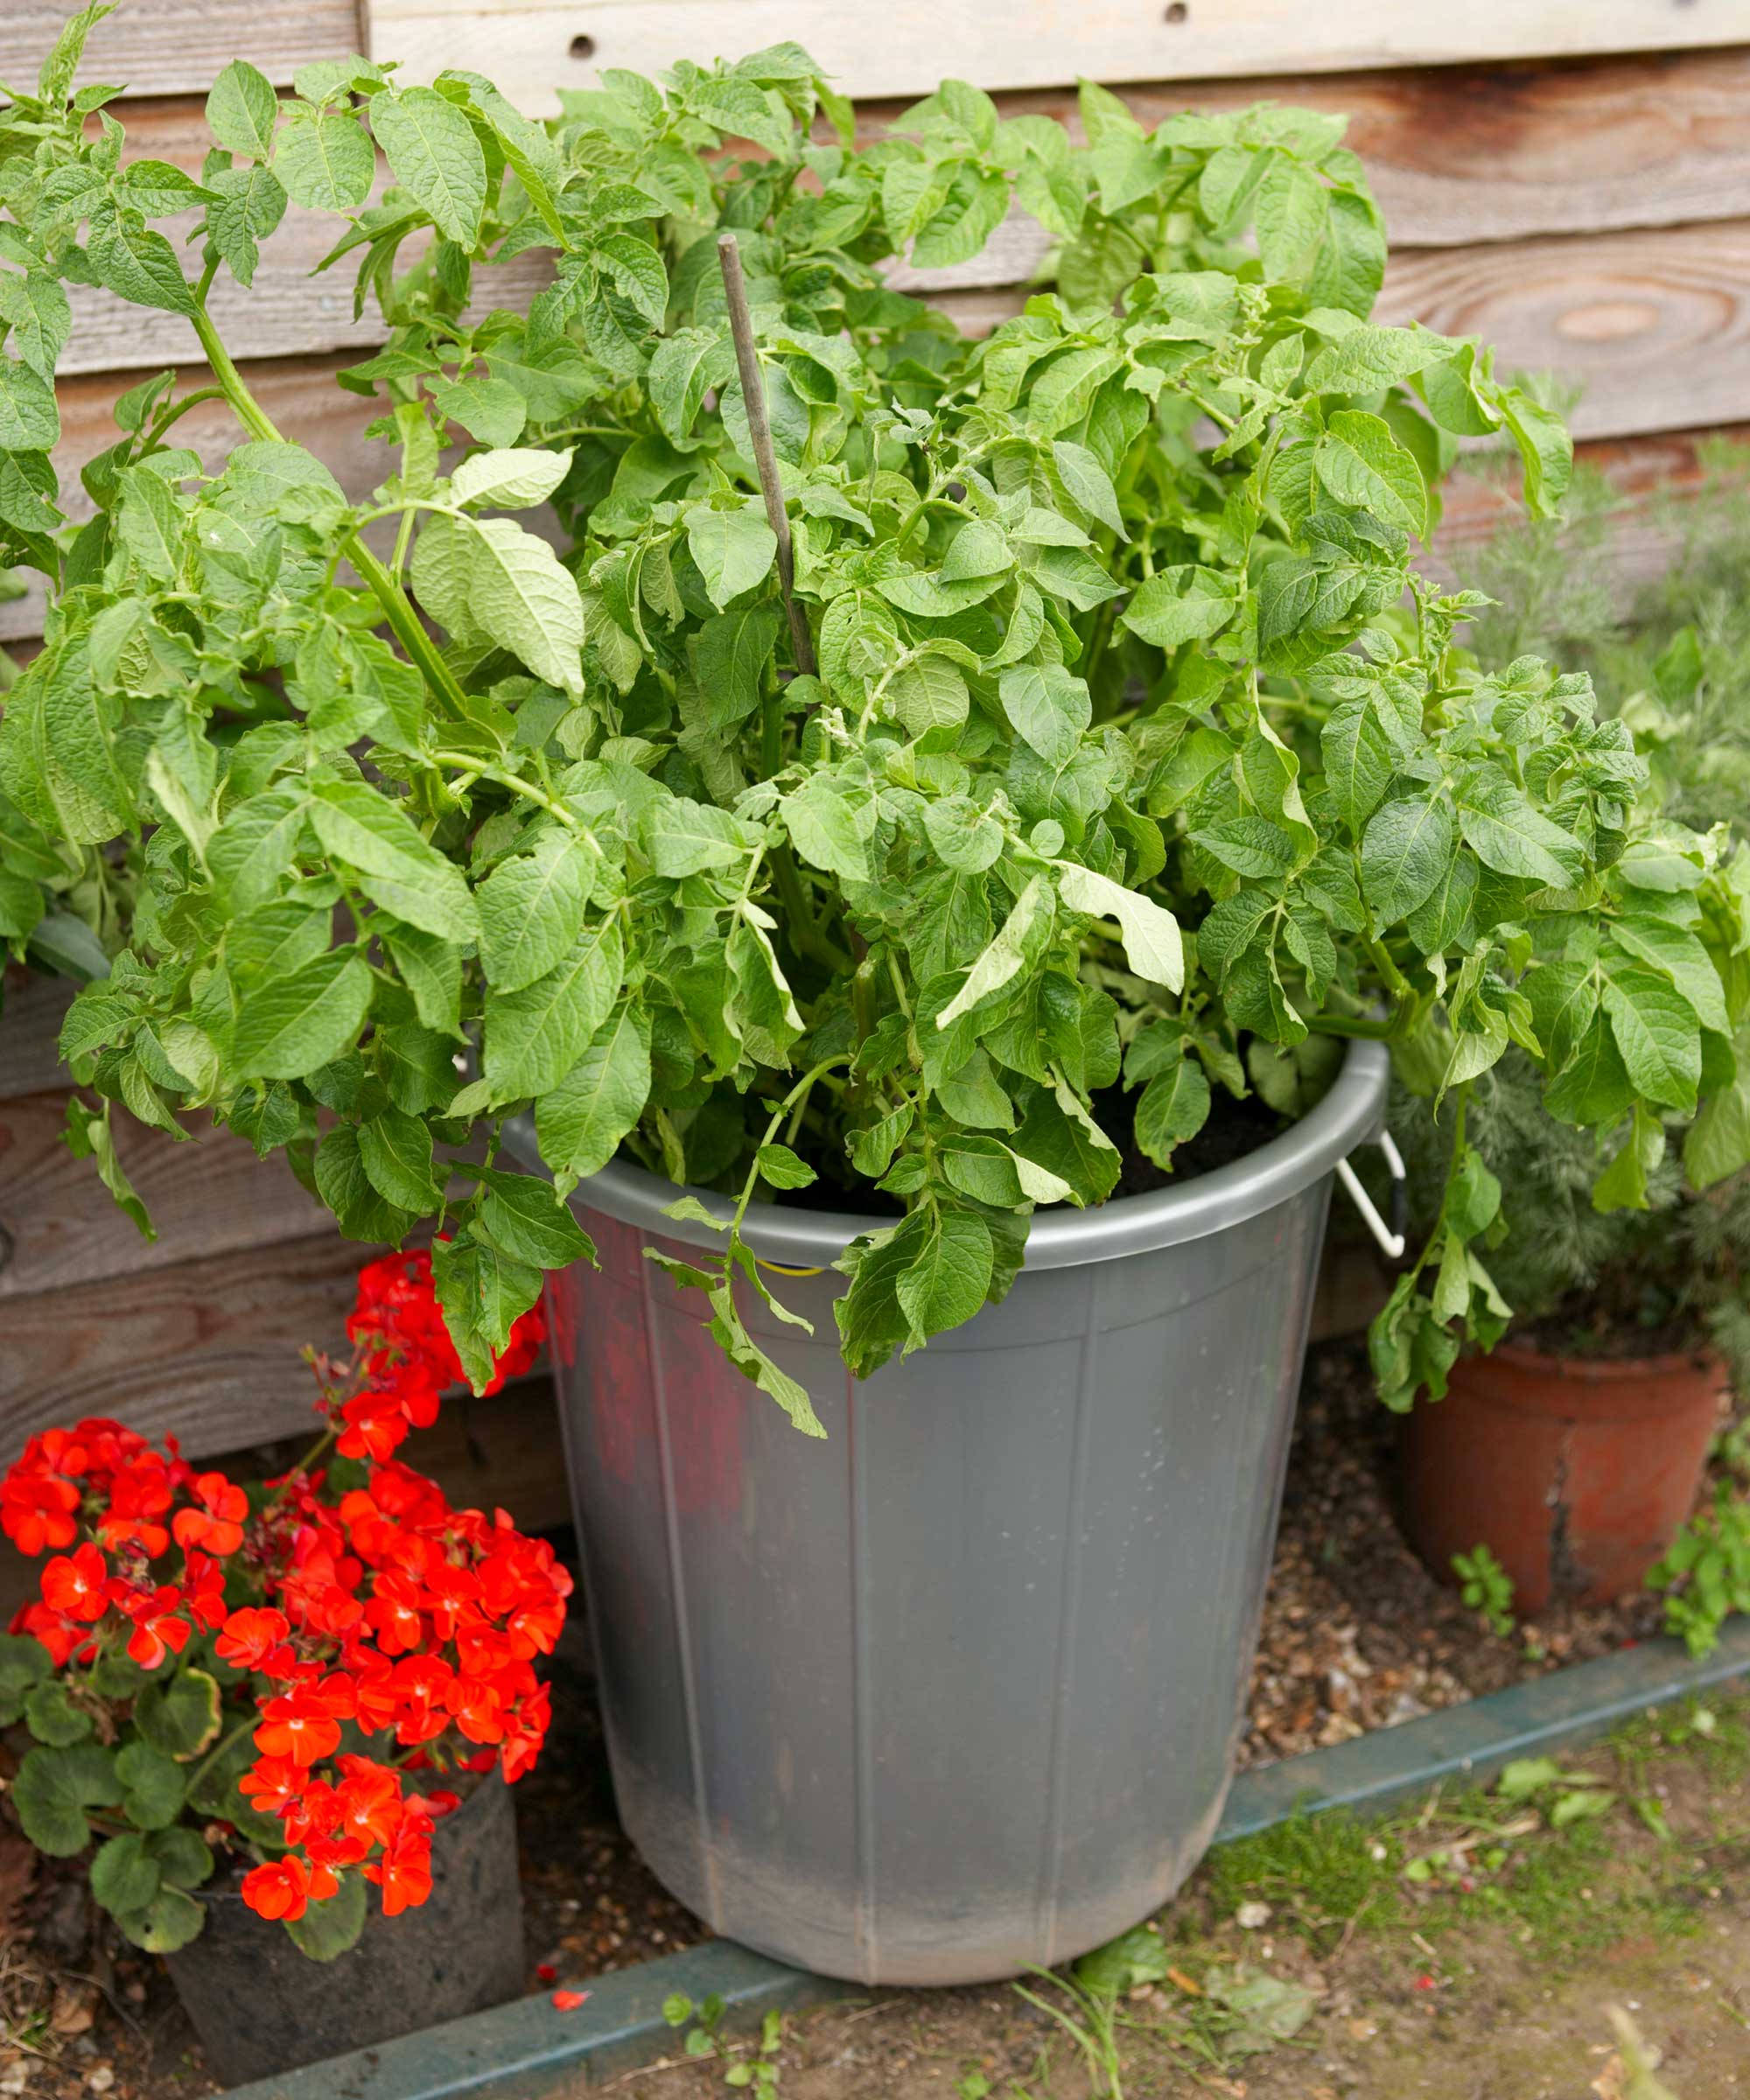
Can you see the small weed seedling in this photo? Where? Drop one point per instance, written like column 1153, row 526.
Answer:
column 1562, row 1797
column 1486, row 1587
column 1091, row 2024
column 1238, row 2010
column 703, row 2022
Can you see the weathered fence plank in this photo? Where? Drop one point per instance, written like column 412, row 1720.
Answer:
column 32, row 1008
column 207, row 1348
column 172, row 46
column 207, row 1196
column 533, row 48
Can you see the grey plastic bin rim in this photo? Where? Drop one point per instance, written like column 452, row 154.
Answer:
column 1351, row 1113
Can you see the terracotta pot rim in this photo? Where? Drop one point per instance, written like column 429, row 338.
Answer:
column 1603, row 1370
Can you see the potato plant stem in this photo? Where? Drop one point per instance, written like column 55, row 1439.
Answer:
column 403, row 620
column 1359, row 1027
column 765, row 455
column 794, row 1099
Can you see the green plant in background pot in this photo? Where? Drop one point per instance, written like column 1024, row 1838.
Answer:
column 926, row 771
column 1592, row 1278
column 1575, row 1449
column 1673, row 660
column 1646, row 1302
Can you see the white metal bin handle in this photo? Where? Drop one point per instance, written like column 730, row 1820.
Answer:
column 1391, row 1242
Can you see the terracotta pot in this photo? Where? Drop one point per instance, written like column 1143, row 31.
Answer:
column 260, row 2007
column 1575, row 1472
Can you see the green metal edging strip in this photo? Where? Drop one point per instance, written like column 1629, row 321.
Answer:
column 529, row 2050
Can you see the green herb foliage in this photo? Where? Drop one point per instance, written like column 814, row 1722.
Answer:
column 1118, row 767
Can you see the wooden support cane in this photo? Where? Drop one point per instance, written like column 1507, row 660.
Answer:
column 765, row 457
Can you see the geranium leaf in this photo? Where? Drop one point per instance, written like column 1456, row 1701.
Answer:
column 179, row 1718
column 329, row 1929
column 53, row 1789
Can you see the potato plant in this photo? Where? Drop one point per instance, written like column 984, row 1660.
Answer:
column 1119, row 757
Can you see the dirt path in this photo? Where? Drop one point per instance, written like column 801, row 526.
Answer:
column 1469, row 1951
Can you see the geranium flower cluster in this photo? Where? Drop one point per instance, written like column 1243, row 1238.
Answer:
column 406, row 1360
column 370, row 1632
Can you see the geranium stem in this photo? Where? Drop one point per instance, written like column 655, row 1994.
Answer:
column 301, row 1469
column 248, row 1721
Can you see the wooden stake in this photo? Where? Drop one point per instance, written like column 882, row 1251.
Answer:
column 765, row 458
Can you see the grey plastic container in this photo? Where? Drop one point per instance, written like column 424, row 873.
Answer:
column 958, row 1689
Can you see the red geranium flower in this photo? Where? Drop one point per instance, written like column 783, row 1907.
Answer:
column 217, row 1525
column 64, row 1638
column 37, row 1506
column 159, row 1629
column 314, row 1815
column 422, row 1685
column 271, row 1785
column 75, row 1585
column 253, row 1639
column 404, row 1872
column 285, row 1888
column 300, row 1724
column 381, row 1605
column 525, row 1731
column 138, row 1496
column 394, row 1615
column 203, row 1591
column 370, row 1800
column 408, row 1357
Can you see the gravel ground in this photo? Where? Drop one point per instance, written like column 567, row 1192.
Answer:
column 1356, row 1633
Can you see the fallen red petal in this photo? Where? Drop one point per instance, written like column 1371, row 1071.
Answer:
column 568, row 2001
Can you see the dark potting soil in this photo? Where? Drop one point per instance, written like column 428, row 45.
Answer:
column 1235, row 1128
column 1357, row 1635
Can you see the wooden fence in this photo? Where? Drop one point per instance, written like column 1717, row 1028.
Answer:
column 1568, row 178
